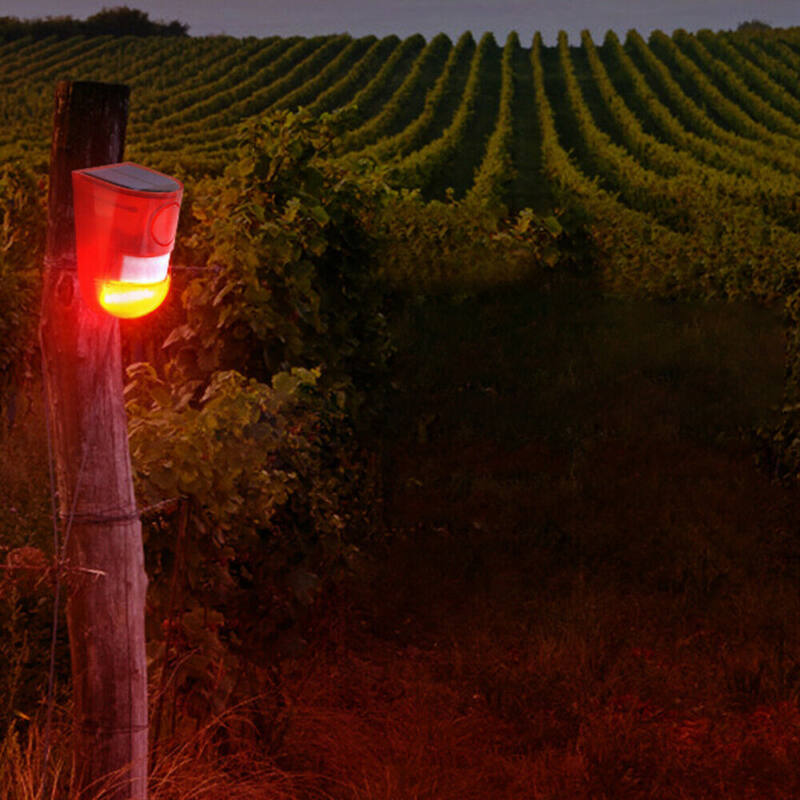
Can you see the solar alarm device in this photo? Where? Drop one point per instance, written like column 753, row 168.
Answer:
column 126, row 216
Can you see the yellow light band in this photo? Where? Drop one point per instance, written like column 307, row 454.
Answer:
column 129, row 300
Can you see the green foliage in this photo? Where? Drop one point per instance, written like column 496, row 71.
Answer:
column 281, row 337
column 405, row 104
column 288, row 236
column 446, row 246
column 22, row 226
column 273, row 481
column 431, row 168
column 125, row 21
column 309, row 90
column 732, row 78
column 753, row 26
column 434, row 115
column 751, row 79
column 209, row 101
column 357, row 76
column 386, row 80
column 249, row 99
column 496, row 174
column 656, row 59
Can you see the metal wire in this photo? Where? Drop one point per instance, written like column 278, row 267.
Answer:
column 103, row 519
column 188, row 268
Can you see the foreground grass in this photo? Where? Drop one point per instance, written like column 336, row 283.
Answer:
column 589, row 591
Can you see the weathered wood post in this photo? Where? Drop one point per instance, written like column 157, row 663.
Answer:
column 104, row 554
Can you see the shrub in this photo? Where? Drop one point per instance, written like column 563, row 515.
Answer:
column 250, row 422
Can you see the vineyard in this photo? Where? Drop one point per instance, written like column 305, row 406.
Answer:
column 681, row 154
column 467, row 442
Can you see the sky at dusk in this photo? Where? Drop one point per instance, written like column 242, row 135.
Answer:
column 429, row 17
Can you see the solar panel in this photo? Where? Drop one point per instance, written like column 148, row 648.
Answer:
column 132, row 176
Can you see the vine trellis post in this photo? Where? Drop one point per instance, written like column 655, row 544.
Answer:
column 102, row 552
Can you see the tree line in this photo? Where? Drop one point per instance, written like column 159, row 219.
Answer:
column 119, row 21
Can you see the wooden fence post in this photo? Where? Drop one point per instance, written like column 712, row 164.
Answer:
column 105, row 572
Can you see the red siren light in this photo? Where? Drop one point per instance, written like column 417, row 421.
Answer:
column 126, row 216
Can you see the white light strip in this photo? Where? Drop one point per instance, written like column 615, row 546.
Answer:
column 138, row 269
column 127, row 296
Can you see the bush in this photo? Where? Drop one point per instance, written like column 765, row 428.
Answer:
column 273, row 489
column 289, row 238
column 250, row 422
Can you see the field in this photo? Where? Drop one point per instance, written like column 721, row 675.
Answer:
column 536, row 529
column 683, row 149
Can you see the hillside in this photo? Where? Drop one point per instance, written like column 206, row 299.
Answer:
column 684, row 151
